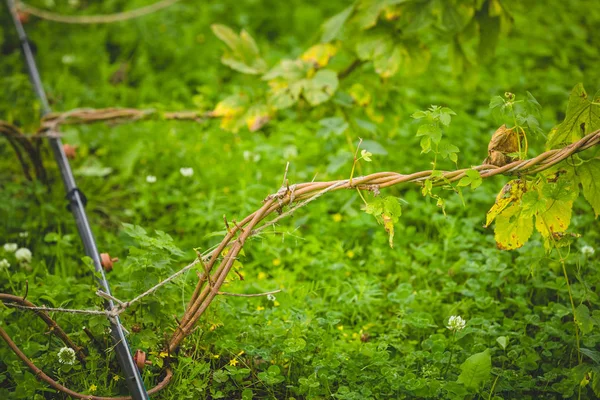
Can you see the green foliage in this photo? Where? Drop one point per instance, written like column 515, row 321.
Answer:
column 582, row 117
column 355, row 318
column 387, row 210
column 476, row 370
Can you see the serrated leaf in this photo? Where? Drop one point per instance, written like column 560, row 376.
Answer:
column 513, row 228
column 476, row 370
column 512, row 191
column 243, row 55
column 333, row 26
column 582, row 117
column 588, row 175
column 555, row 218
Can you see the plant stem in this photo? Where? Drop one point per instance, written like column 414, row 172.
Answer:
column 451, row 354
column 564, row 268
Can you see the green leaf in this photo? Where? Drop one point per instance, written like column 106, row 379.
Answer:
column 588, row 175
column 333, row 26
column 596, row 382
column 489, row 32
column 473, row 179
column 502, row 341
column 432, row 131
column 387, row 211
column 583, row 319
column 582, row 117
column 293, row 345
column 476, row 370
column 243, row 55
column 368, row 12
column 321, row 87
column 366, row 155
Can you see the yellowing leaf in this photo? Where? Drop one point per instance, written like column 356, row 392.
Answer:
column 256, row 117
column 320, row 54
column 230, row 110
column 513, row 228
column 361, row 96
column 512, row 191
column 230, row 106
column 388, row 224
column 555, row 218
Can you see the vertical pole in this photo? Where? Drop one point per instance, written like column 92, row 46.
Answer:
column 77, row 207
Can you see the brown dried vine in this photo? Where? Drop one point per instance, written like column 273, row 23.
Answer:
column 301, row 194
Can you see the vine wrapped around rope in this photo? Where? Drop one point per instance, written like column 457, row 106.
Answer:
column 301, row 194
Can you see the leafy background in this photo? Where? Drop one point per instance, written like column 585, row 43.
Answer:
column 356, row 319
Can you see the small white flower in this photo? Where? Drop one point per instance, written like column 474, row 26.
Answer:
column 587, row 251
column 68, row 59
column 456, row 323
column 10, row 247
column 186, row 171
column 66, row 355
column 270, row 297
column 150, row 179
column 23, row 255
column 4, row 263
column 24, row 234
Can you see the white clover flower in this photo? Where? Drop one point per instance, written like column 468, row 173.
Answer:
column 150, row 179
column 456, row 323
column 186, row 171
column 10, row 247
column 588, row 251
column 4, row 263
column 24, row 234
column 270, row 297
column 66, row 355
column 68, row 59
column 23, row 255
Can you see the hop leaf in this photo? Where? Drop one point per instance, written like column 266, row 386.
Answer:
column 366, row 155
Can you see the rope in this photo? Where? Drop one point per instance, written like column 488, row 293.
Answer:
column 95, row 19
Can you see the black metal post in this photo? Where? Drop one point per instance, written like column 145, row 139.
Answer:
column 77, row 207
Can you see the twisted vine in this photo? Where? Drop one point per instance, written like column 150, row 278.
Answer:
column 301, row 194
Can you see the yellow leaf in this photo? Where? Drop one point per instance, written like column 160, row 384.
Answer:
column 388, row 224
column 512, row 191
column 513, row 228
column 556, row 217
column 257, row 117
column 320, row 54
